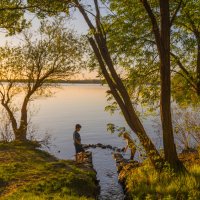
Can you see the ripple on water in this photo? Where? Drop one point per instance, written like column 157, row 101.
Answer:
column 105, row 166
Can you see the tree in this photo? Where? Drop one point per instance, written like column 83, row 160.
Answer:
column 11, row 17
column 98, row 42
column 162, row 38
column 135, row 46
column 150, row 39
column 12, row 12
column 30, row 68
column 186, row 51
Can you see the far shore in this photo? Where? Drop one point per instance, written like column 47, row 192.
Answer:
column 85, row 81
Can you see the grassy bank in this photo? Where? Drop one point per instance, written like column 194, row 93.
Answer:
column 145, row 183
column 29, row 173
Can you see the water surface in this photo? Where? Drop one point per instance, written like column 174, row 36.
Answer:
column 83, row 104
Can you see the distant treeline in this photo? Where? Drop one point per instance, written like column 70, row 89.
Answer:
column 87, row 81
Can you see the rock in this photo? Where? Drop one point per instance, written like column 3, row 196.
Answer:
column 99, row 145
column 88, row 153
column 108, row 146
column 117, row 156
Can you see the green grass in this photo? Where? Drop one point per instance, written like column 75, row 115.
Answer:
column 146, row 184
column 29, row 173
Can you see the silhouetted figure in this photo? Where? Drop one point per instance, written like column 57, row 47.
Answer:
column 77, row 143
column 130, row 144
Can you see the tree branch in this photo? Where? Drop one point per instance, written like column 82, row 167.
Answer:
column 82, row 11
column 152, row 17
column 175, row 13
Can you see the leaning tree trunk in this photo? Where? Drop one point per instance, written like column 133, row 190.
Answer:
column 118, row 90
column 122, row 98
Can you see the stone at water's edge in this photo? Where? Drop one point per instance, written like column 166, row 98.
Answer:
column 102, row 146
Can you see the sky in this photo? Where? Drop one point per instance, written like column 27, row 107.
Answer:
column 76, row 22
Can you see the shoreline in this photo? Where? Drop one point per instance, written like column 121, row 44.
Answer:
column 27, row 172
column 86, row 81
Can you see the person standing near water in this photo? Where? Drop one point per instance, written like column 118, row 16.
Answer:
column 77, row 143
column 130, row 144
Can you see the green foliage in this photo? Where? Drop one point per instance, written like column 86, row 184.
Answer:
column 56, row 54
column 48, row 7
column 145, row 183
column 186, row 126
column 112, row 128
column 133, row 47
column 12, row 12
column 34, row 174
column 183, row 93
column 11, row 17
column 31, row 196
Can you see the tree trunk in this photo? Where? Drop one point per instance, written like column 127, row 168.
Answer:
column 165, row 101
column 162, row 38
column 20, row 135
column 198, row 68
column 128, row 110
column 21, row 132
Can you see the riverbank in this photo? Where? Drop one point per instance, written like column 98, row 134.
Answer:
column 141, row 181
column 29, row 173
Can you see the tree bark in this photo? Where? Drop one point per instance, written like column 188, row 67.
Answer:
column 20, row 135
column 21, row 132
column 165, row 101
column 198, row 68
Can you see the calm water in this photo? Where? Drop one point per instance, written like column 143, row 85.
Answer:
column 77, row 103
column 83, row 104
